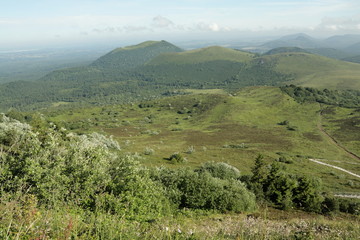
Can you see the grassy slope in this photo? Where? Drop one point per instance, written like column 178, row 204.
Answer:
column 202, row 55
column 208, row 122
column 344, row 125
column 307, row 69
column 319, row 72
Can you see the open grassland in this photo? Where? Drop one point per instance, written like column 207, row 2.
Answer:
column 214, row 126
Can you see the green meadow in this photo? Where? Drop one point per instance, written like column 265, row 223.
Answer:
column 211, row 125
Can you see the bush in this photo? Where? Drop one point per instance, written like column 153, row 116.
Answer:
column 285, row 160
column 220, row 170
column 351, row 206
column 284, row 123
column 330, row 204
column 149, row 151
column 61, row 168
column 190, row 150
column 200, row 190
column 176, row 158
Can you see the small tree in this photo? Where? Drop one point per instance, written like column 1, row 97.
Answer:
column 307, row 195
column 260, row 173
column 279, row 187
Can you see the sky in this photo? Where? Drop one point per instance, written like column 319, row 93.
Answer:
column 25, row 23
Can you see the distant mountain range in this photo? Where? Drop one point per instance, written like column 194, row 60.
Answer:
column 153, row 68
column 338, row 47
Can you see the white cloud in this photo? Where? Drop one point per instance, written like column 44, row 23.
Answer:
column 161, row 22
column 212, row 27
column 336, row 24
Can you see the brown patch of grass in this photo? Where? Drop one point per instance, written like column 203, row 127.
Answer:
column 349, row 129
column 312, row 136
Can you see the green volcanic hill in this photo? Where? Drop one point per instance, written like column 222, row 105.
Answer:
column 285, row 50
column 133, row 56
column 296, row 40
column 151, row 69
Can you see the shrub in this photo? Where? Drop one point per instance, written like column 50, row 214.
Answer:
column 220, row 170
column 285, row 160
column 330, row 204
column 149, row 151
column 351, row 206
column 284, row 123
column 176, row 158
column 190, row 150
column 200, row 190
column 291, row 128
column 62, row 168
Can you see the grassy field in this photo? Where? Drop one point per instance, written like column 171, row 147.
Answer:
column 214, row 126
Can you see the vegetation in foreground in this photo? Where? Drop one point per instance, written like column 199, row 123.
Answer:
column 49, row 175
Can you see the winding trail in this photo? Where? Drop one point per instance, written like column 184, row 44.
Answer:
column 343, row 195
column 338, row 168
column 347, row 195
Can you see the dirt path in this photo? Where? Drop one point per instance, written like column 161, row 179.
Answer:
column 343, row 195
column 347, row 195
column 338, row 168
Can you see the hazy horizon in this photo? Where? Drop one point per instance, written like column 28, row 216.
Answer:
column 25, row 24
